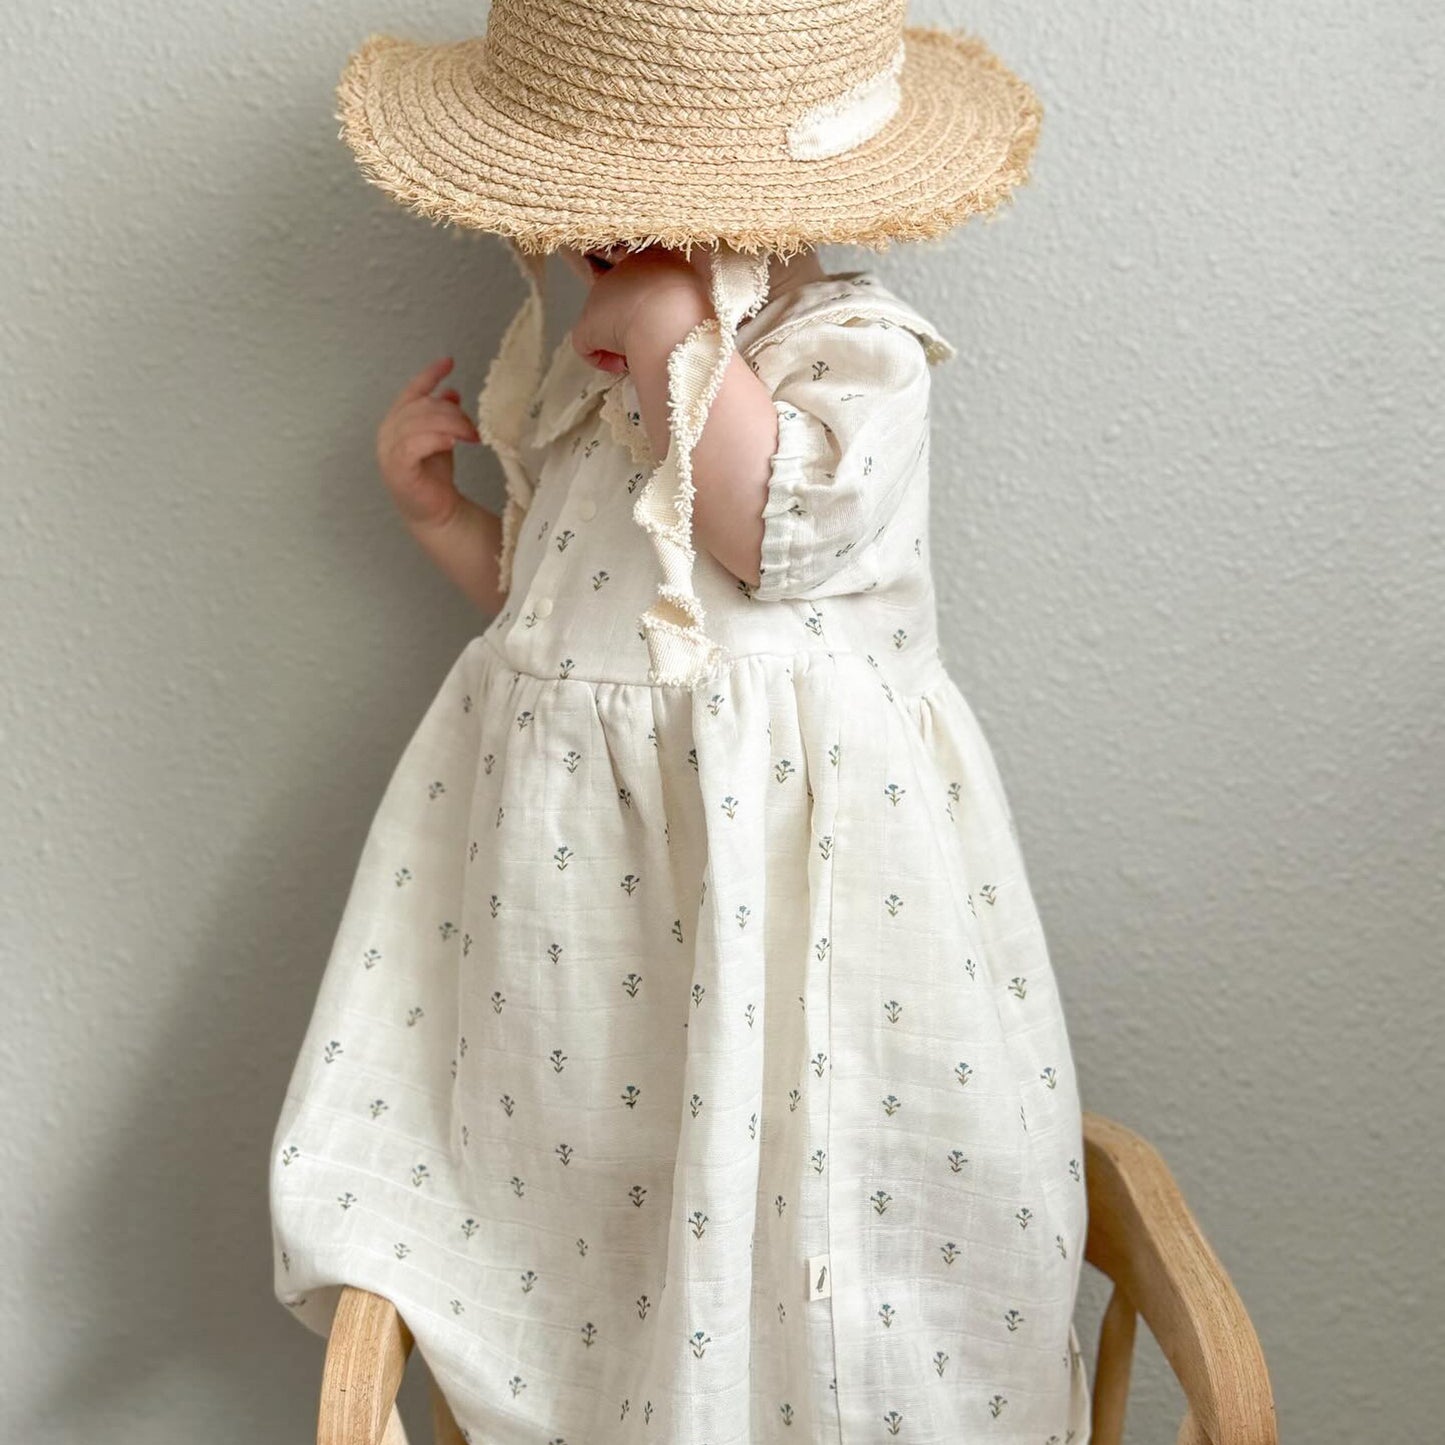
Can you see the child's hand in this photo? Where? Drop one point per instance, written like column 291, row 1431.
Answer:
column 414, row 447
column 656, row 290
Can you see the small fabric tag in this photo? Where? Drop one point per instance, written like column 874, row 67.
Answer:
column 820, row 1278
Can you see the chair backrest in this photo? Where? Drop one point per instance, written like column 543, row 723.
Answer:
column 1144, row 1238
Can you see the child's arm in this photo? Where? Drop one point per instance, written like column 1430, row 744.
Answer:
column 414, row 451
column 465, row 545
column 731, row 461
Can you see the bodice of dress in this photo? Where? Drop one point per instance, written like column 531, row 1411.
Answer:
column 845, row 549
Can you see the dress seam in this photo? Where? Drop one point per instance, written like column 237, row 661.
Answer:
column 937, row 680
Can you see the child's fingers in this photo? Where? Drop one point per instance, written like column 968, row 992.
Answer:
column 425, row 379
column 432, row 406
column 434, row 412
column 418, row 446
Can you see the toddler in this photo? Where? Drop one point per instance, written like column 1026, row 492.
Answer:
column 689, row 1065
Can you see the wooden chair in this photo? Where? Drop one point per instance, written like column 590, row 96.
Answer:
column 1141, row 1235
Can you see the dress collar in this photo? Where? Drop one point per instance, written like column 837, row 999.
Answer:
column 570, row 389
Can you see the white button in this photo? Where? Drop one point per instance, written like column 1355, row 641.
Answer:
column 543, row 607
column 587, row 509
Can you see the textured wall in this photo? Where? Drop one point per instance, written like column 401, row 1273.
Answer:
column 1189, row 534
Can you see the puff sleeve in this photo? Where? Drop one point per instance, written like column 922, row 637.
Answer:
column 851, row 395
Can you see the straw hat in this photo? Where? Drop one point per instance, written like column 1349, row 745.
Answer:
column 747, row 126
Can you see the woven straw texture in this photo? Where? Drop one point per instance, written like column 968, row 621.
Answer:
column 644, row 123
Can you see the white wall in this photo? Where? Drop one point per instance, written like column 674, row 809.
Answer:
column 1189, row 527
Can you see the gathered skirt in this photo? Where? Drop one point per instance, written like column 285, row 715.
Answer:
column 689, row 1067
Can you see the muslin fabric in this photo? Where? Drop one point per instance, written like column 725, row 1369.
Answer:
column 689, row 1065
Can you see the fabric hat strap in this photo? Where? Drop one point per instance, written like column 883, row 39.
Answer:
column 680, row 653
column 511, row 382
column 679, row 650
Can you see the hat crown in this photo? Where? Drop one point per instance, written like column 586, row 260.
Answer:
column 719, row 80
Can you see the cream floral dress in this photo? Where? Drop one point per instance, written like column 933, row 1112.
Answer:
column 689, row 1066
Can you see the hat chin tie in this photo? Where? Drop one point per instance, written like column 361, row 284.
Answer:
column 680, row 653
column 511, row 382
column 679, row 649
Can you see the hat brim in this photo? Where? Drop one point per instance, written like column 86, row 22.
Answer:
column 425, row 130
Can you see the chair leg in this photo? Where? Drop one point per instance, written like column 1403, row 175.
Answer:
column 444, row 1425
column 1111, row 1370
column 366, row 1354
